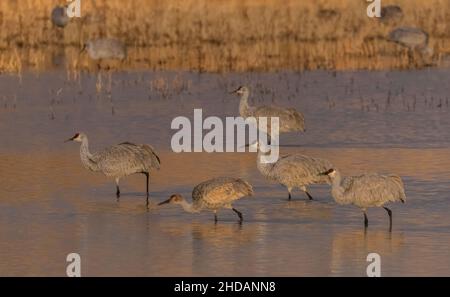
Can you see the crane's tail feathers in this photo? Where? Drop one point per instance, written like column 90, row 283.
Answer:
column 299, row 118
column 155, row 160
column 397, row 180
column 247, row 188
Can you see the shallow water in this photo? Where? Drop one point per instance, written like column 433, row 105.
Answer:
column 50, row 206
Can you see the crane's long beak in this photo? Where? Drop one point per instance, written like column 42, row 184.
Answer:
column 164, row 202
column 235, row 91
column 70, row 139
column 326, row 172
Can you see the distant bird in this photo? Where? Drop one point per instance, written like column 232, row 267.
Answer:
column 290, row 120
column 413, row 38
column 119, row 160
column 214, row 194
column 391, row 13
column 327, row 14
column 293, row 171
column 59, row 16
column 105, row 48
column 367, row 190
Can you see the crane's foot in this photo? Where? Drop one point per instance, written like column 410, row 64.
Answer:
column 309, row 195
column 118, row 193
column 241, row 218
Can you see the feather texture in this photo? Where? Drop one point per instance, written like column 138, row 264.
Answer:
column 368, row 190
column 295, row 170
column 290, row 120
column 120, row 160
column 220, row 192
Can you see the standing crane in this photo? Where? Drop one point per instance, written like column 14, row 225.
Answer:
column 290, row 120
column 367, row 190
column 105, row 48
column 414, row 39
column 119, row 160
column 292, row 171
column 214, row 194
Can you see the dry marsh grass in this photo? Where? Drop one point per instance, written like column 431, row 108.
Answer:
column 219, row 35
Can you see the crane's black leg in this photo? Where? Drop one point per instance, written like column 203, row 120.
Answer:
column 147, row 177
column 215, row 217
column 366, row 221
column 309, row 195
column 117, row 189
column 390, row 217
column 241, row 218
column 290, row 195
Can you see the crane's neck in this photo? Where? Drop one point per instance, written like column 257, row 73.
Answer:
column 337, row 190
column 188, row 207
column 264, row 168
column 86, row 156
column 244, row 106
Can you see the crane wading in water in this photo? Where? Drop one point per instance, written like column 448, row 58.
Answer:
column 292, row 171
column 214, row 194
column 290, row 119
column 367, row 190
column 119, row 160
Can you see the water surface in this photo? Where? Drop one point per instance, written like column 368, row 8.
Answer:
column 50, row 206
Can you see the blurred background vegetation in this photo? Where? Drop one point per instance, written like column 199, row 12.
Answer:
column 220, row 35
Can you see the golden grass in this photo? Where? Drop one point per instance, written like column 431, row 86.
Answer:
column 219, row 35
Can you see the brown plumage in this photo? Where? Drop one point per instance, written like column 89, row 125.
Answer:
column 214, row 194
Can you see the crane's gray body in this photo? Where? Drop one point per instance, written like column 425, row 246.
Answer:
column 59, row 16
column 119, row 160
column 106, row 48
column 368, row 190
column 412, row 38
column 219, row 193
column 290, row 120
column 295, row 171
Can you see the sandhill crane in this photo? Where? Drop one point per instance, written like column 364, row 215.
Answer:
column 290, row 120
column 59, row 16
column 292, row 171
column 119, row 160
column 414, row 39
column 105, row 48
column 367, row 190
column 214, row 194
column 391, row 13
column 328, row 14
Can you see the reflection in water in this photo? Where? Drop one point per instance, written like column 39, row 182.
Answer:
column 51, row 206
column 357, row 244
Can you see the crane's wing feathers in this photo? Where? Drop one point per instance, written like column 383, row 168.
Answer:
column 374, row 189
column 126, row 158
column 220, row 191
column 296, row 168
column 290, row 118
